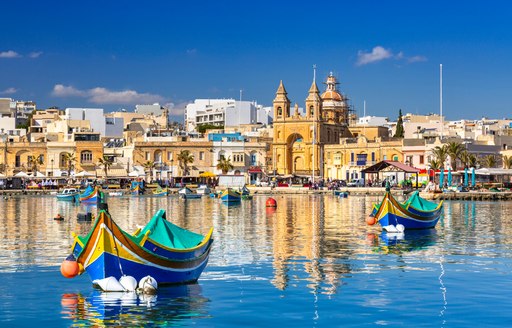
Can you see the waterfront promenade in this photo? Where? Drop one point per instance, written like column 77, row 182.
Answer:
column 293, row 190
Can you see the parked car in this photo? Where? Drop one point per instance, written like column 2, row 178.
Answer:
column 356, row 183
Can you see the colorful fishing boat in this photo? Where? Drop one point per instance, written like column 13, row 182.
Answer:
column 159, row 191
column 230, row 195
column 90, row 195
column 415, row 213
column 137, row 188
column 187, row 193
column 69, row 194
column 166, row 252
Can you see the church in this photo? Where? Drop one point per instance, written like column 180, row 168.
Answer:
column 299, row 139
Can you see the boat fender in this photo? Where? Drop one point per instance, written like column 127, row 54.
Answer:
column 129, row 283
column 400, row 227
column 109, row 284
column 370, row 220
column 390, row 228
column 148, row 285
column 69, row 267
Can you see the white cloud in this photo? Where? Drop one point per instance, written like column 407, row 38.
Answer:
column 9, row 54
column 100, row 95
column 60, row 90
column 191, row 52
column 35, row 54
column 9, row 91
column 380, row 53
column 415, row 59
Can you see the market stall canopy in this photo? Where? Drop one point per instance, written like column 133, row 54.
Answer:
column 38, row 175
column 112, row 173
column 84, row 174
column 22, row 175
column 136, row 174
column 207, row 175
column 387, row 165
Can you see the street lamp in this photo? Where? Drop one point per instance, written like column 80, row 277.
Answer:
column 172, row 166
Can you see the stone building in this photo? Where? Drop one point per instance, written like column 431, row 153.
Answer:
column 299, row 140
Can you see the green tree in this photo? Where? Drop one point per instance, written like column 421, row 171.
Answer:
column 34, row 163
column 148, row 168
column 224, row 165
column 434, row 165
column 399, row 132
column 106, row 164
column 488, row 161
column 455, row 151
column 507, row 162
column 441, row 154
column 185, row 158
column 69, row 159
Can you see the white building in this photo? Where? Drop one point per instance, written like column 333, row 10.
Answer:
column 93, row 115
column 221, row 112
column 373, row 121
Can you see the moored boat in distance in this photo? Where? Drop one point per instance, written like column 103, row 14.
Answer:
column 160, row 191
column 68, row 194
column 415, row 213
column 90, row 194
column 166, row 252
column 187, row 193
column 230, row 195
column 203, row 190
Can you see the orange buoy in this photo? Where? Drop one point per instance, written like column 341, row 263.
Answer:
column 69, row 267
column 271, row 202
column 370, row 220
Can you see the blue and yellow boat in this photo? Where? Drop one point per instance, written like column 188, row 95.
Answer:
column 415, row 213
column 230, row 195
column 90, row 195
column 69, row 194
column 137, row 188
column 168, row 253
column 159, row 191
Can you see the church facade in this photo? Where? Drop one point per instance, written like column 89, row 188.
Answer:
column 299, row 138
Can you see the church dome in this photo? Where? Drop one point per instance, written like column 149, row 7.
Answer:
column 332, row 95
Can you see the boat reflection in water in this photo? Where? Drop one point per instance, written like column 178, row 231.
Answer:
column 398, row 243
column 170, row 306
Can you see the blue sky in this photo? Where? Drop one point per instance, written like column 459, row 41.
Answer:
column 114, row 54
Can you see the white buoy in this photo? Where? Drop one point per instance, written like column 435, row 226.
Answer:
column 109, row 284
column 390, row 228
column 400, row 227
column 148, row 284
column 129, row 283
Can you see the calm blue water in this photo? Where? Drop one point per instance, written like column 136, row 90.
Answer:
column 310, row 263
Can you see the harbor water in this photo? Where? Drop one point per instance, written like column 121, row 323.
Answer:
column 310, row 262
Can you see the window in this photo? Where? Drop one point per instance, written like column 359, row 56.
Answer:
column 395, row 157
column 311, row 110
column 148, row 156
column 86, row 157
column 279, row 111
column 201, row 155
column 373, row 156
column 41, row 158
column 253, row 159
column 169, row 156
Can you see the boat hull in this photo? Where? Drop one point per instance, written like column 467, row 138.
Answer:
column 109, row 251
column 392, row 212
column 68, row 197
column 230, row 196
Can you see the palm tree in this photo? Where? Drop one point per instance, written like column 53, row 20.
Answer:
column 455, row 151
column 185, row 158
column 434, row 165
column 224, row 165
column 69, row 159
column 440, row 153
column 507, row 162
column 34, row 163
column 488, row 161
column 472, row 160
column 148, row 167
column 106, row 164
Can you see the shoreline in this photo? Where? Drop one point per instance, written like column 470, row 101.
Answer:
column 354, row 191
